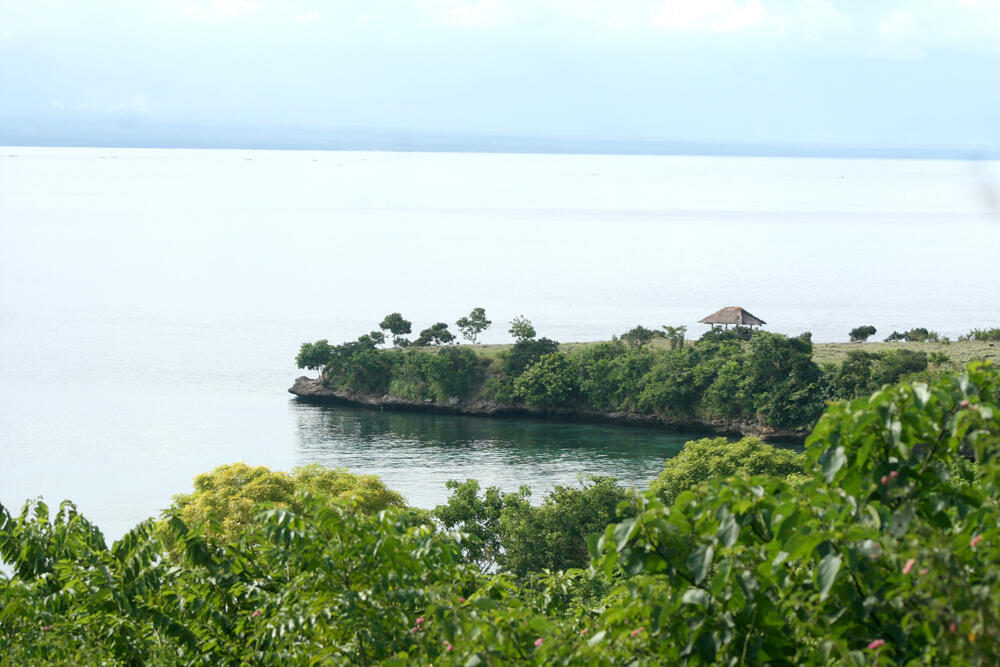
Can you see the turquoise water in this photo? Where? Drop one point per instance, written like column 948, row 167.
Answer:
column 152, row 301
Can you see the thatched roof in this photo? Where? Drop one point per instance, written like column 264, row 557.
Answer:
column 732, row 315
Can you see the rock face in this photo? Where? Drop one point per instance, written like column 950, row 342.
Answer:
column 313, row 390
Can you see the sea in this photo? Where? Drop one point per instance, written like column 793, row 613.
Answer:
column 152, row 301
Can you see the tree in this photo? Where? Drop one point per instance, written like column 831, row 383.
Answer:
column 436, row 334
column 314, row 356
column 554, row 535
column 521, row 329
column 473, row 325
column 862, row 333
column 675, row 335
column 718, row 458
column 479, row 517
column 398, row 327
column 229, row 494
column 373, row 338
column 638, row 336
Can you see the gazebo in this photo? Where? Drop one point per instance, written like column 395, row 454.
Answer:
column 732, row 315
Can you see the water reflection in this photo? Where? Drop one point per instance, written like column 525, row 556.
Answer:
column 417, row 453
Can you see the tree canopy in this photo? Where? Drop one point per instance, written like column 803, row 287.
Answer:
column 473, row 324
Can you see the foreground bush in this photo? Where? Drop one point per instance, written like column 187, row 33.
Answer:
column 879, row 556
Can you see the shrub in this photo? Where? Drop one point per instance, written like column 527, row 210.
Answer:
column 982, row 334
column 638, row 336
column 719, row 458
column 525, row 352
column 550, row 381
column 916, row 335
column 862, row 333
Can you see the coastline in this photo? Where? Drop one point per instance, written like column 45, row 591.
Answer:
column 313, row 391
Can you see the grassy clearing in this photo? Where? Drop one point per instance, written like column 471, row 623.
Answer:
column 959, row 352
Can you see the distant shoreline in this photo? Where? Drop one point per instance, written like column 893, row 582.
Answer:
column 402, row 143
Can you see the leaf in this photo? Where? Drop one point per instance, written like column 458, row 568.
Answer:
column 624, row 532
column 833, row 462
column 728, row 531
column 700, row 562
column 695, row 596
column 826, row 573
column 596, row 639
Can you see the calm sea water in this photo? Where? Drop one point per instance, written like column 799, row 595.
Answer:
column 152, row 301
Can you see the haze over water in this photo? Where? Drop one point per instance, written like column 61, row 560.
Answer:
column 152, row 301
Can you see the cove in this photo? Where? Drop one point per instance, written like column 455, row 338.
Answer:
column 417, row 453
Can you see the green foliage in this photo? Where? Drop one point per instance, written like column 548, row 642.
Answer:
column 359, row 365
column 455, row 370
column 638, row 336
column 436, row 334
column 862, row 333
column 314, row 356
column 719, row 458
column 938, row 359
column 610, row 374
column 553, row 536
column 227, row 497
column 473, row 325
column 982, row 334
column 864, row 372
column 525, row 352
column 878, row 557
column 737, row 332
column 372, row 338
column 436, row 374
column 550, row 381
column 775, row 377
column 479, row 519
column 503, row 530
column 675, row 335
column 398, row 327
column 916, row 335
column 521, row 329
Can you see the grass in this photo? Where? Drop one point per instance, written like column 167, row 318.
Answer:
column 959, row 353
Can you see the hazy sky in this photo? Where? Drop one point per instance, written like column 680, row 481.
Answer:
column 903, row 73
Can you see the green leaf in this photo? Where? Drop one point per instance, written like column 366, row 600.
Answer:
column 826, row 574
column 597, row 638
column 700, row 562
column 695, row 596
column 728, row 531
column 624, row 532
column 833, row 462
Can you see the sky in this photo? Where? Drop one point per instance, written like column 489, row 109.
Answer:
column 907, row 74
